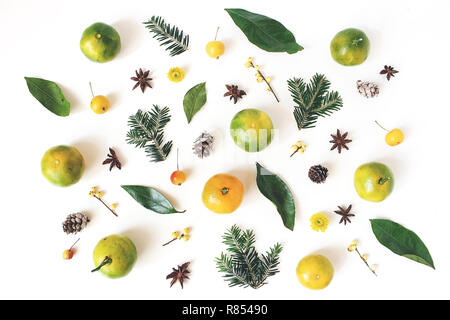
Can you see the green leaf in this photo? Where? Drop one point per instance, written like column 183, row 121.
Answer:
column 49, row 95
column 151, row 199
column 274, row 189
column 194, row 100
column 401, row 241
column 264, row 32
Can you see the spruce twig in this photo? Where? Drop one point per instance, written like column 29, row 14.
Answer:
column 243, row 266
column 313, row 100
column 147, row 131
column 176, row 40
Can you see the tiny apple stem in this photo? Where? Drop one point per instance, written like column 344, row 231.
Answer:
column 381, row 126
column 217, row 31
column 105, row 261
column 225, row 190
column 74, row 244
column 92, row 91
column 384, row 180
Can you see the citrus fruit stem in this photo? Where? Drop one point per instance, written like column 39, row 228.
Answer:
column 384, row 180
column 225, row 190
column 356, row 42
column 105, row 261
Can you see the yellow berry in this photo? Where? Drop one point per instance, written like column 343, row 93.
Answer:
column 269, row 79
column 215, row 49
column 93, row 189
column 250, row 60
column 100, row 104
column 248, row 65
column 259, row 79
column 351, row 248
column 256, row 67
column 114, row 206
column 99, row 194
column 180, row 236
column 175, row 234
column 394, row 137
column 364, row 256
column 91, row 193
column 354, row 243
column 373, row 268
column 186, row 230
column 294, row 148
column 186, row 237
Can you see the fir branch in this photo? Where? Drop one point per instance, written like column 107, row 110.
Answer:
column 313, row 100
column 147, row 131
column 243, row 266
column 168, row 35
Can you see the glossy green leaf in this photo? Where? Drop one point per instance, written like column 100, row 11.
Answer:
column 151, row 199
column 401, row 241
column 194, row 100
column 49, row 95
column 264, row 32
column 274, row 189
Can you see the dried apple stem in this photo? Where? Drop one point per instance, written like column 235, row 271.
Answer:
column 92, row 91
column 381, row 126
column 74, row 244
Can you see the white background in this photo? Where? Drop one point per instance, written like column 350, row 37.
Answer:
column 41, row 39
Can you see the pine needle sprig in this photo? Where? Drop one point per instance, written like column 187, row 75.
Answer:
column 176, row 40
column 243, row 266
column 313, row 100
column 147, row 132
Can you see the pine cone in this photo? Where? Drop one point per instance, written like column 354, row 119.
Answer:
column 318, row 174
column 203, row 145
column 75, row 223
column 367, row 89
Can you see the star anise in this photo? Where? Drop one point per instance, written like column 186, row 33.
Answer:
column 234, row 92
column 179, row 274
column 112, row 160
column 345, row 213
column 142, row 79
column 340, row 141
column 389, row 72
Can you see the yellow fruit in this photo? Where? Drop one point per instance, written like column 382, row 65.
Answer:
column 394, row 137
column 215, row 49
column 315, row 272
column 100, row 104
column 223, row 193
